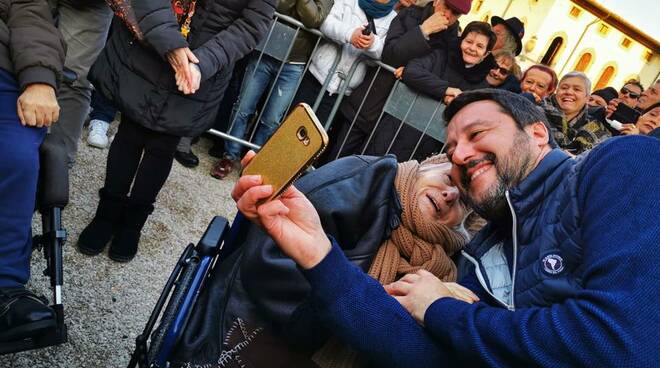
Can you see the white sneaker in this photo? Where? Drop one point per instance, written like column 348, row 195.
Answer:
column 98, row 133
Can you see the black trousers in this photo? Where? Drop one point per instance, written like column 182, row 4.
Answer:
column 142, row 157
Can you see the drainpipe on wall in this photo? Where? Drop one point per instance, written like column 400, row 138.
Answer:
column 586, row 28
column 506, row 9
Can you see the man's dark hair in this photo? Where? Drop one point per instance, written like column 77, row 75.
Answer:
column 481, row 28
column 637, row 83
column 520, row 109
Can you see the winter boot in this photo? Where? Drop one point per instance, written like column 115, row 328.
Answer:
column 125, row 242
column 98, row 233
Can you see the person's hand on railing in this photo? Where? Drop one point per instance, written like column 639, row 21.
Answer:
column 450, row 94
column 398, row 72
column 361, row 41
column 37, row 106
column 434, row 24
column 180, row 60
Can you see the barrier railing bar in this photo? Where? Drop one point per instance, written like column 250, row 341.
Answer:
column 380, row 117
column 357, row 113
column 328, row 79
column 228, row 137
column 403, row 121
column 428, row 124
column 343, row 86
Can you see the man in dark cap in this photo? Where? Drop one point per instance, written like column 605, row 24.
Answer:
column 509, row 33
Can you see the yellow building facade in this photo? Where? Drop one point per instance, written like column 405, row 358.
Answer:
column 579, row 35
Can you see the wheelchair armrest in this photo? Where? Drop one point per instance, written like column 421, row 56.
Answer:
column 210, row 242
column 53, row 174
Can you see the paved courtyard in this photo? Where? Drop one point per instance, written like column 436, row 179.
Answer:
column 108, row 303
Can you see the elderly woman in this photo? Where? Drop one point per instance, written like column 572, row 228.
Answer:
column 538, row 82
column 575, row 127
column 391, row 219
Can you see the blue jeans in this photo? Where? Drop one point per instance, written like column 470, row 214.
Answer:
column 251, row 92
column 19, row 171
column 102, row 108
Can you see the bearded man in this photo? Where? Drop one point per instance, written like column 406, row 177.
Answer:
column 565, row 271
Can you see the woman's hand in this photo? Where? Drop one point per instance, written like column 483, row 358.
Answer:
column 398, row 72
column 417, row 291
column 180, row 60
column 291, row 220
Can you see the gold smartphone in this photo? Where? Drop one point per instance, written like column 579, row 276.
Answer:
column 292, row 148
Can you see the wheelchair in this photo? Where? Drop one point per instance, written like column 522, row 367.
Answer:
column 195, row 265
column 52, row 198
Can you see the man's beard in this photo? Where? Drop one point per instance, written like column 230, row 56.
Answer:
column 510, row 171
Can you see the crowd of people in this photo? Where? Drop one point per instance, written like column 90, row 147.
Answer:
column 530, row 240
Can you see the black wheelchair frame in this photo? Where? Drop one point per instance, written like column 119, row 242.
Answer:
column 52, row 197
column 195, row 265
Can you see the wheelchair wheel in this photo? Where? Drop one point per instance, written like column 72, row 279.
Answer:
column 158, row 338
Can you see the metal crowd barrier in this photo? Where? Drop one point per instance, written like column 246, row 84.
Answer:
column 408, row 106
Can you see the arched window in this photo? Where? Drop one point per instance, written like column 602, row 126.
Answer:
column 551, row 55
column 584, row 62
column 605, row 78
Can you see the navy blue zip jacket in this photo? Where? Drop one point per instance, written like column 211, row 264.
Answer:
column 597, row 306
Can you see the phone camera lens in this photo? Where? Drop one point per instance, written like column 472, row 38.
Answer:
column 302, row 136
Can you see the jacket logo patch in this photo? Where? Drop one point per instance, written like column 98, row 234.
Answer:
column 553, row 264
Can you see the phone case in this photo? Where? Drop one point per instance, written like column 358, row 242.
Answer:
column 625, row 114
column 292, row 148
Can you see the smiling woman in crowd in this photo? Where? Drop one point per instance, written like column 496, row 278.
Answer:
column 578, row 129
column 539, row 81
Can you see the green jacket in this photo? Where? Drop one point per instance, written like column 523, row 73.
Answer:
column 311, row 13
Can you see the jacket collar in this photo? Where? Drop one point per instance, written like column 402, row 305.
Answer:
column 531, row 192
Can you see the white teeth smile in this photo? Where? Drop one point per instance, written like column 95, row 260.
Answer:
column 479, row 172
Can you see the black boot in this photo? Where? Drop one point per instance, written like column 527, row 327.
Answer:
column 125, row 242
column 98, row 233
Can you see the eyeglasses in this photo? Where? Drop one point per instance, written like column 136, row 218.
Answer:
column 630, row 93
column 503, row 71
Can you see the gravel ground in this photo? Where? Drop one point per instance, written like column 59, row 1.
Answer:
column 107, row 303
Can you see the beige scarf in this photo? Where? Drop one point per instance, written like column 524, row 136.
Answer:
column 417, row 243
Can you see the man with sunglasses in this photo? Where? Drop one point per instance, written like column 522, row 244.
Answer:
column 645, row 100
column 630, row 92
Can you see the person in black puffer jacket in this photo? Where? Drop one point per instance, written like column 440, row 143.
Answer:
column 166, row 75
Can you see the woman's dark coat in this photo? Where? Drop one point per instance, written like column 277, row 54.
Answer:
column 138, row 79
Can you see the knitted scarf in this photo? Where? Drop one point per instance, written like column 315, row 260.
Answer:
column 417, row 243
column 376, row 10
